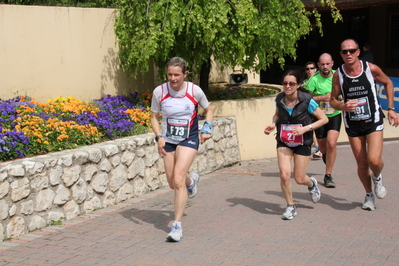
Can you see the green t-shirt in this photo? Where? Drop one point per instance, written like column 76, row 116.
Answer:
column 320, row 86
column 305, row 83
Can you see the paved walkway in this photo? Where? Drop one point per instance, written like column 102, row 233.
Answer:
column 234, row 220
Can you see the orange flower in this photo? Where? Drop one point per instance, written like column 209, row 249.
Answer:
column 62, row 137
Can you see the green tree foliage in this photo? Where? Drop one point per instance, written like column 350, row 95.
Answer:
column 74, row 3
column 246, row 33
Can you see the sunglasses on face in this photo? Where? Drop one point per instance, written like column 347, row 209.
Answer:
column 309, row 68
column 352, row 51
column 291, row 84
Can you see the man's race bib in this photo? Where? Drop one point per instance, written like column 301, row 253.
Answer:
column 288, row 137
column 177, row 129
column 362, row 111
column 326, row 108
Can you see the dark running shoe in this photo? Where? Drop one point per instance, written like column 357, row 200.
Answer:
column 328, row 181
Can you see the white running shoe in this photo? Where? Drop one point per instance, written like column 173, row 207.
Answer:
column 193, row 189
column 369, row 203
column 317, row 155
column 315, row 191
column 290, row 213
column 379, row 189
column 176, row 233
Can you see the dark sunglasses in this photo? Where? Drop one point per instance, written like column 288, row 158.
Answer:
column 289, row 83
column 352, row 51
column 309, row 68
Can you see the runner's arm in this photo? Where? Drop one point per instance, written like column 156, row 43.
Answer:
column 272, row 126
column 348, row 106
column 208, row 117
column 322, row 119
column 335, row 92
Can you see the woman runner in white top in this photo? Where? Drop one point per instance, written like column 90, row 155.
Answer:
column 178, row 142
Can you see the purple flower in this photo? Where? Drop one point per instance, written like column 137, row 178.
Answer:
column 112, row 121
column 13, row 144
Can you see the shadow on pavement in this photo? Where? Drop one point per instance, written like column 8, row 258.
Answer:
column 158, row 218
column 261, row 206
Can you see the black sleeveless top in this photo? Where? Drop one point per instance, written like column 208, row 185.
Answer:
column 362, row 88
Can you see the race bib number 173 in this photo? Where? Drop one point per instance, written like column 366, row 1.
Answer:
column 177, row 129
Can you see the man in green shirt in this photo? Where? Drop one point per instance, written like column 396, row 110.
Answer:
column 320, row 84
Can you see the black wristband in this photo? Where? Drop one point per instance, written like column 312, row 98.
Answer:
column 157, row 138
column 391, row 109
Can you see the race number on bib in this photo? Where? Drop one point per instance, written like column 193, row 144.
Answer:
column 287, row 136
column 362, row 111
column 326, row 108
column 177, row 129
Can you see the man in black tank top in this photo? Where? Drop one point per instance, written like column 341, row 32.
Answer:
column 363, row 116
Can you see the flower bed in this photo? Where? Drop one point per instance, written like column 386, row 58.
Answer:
column 30, row 128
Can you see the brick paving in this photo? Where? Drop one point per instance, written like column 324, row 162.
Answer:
column 234, row 220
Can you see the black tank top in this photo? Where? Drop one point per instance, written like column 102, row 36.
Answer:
column 362, row 88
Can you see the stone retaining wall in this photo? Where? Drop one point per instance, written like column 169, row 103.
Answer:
column 38, row 190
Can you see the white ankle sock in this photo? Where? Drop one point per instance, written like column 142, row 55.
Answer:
column 178, row 224
column 375, row 178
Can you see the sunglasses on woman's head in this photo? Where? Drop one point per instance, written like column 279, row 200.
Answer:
column 352, row 51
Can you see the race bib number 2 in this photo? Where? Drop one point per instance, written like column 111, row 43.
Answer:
column 177, row 129
column 288, row 137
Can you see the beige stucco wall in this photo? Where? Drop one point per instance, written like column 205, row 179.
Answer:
column 253, row 115
column 46, row 52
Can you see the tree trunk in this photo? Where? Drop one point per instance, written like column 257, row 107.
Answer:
column 204, row 75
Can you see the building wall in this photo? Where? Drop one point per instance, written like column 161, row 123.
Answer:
column 48, row 52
